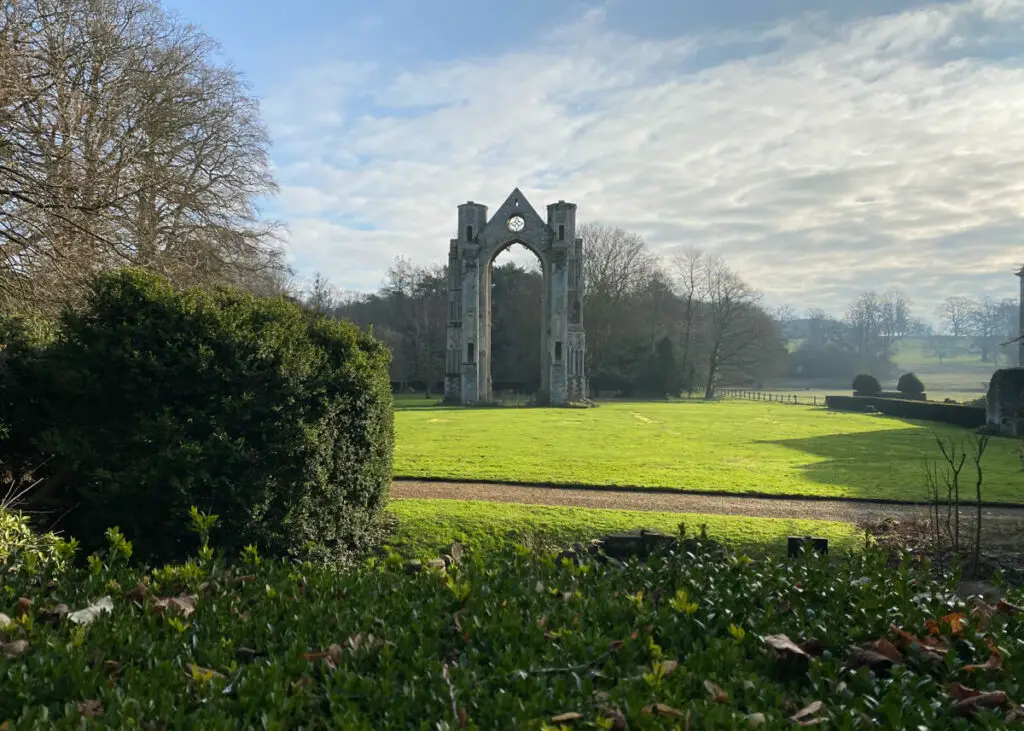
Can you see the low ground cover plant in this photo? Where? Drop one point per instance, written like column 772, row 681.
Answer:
column 698, row 637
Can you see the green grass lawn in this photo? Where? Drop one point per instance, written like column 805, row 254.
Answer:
column 426, row 527
column 734, row 446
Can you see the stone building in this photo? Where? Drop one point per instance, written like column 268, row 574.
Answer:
column 1004, row 401
column 480, row 239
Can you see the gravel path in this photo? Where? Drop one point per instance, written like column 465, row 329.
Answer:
column 850, row 512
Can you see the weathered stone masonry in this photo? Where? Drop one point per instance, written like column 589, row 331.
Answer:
column 563, row 343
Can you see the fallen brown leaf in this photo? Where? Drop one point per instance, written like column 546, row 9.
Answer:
column 55, row 614
column 13, row 649
column 334, row 654
column 886, row 648
column 92, row 612
column 139, row 593
column 717, row 694
column 617, row 718
column 806, row 715
column 783, row 644
column 660, row 709
column 935, row 648
column 183, row 605
column 1004, row 607
column 567, row 717
column 982, row 613
column 994, row 662
column 878, row 656
column 668, row 666
column 960, row 692
column 862, row 657
column 955, row 621
column 969, row 705
column 90, row 709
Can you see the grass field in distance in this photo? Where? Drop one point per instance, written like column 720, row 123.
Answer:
column 733, row 446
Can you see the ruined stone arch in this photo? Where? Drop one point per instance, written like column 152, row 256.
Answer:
column 470, row 257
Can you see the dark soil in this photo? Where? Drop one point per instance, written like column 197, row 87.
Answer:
column 1002, row 544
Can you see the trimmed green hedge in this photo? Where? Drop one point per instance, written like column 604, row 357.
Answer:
column 957, row 414
column 895, row 395
column 151, row 400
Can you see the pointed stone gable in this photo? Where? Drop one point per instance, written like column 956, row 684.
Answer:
column 471, row 255
column 516, row 203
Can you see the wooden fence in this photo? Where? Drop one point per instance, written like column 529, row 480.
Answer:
column 773, row 397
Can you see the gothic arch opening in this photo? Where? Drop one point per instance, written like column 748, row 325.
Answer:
column 514, row 283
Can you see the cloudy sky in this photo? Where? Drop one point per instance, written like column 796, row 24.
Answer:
column 822, row 147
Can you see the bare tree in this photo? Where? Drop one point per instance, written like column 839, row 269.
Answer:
column 864, row 319
column 783, row 314
column 124, row 144
column 687, row 265
column 894, row 319
column 617, row 271
column 321, row 296
column 733, row 328
column 617, row 263
column 990, row 322
column 822, row 329
column 956, row 314
column 418, row 314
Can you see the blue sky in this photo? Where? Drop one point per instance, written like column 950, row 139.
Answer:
column 822, row 148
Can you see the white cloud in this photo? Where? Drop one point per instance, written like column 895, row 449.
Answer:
column 887, row 152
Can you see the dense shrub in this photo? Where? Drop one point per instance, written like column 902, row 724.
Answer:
column 910, row 384
column 20, row 339
column 958, row 414
column 866, row 384
column 152, row 400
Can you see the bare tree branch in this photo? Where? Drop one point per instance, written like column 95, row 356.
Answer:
column 124, row 143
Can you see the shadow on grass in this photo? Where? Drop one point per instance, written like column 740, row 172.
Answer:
column 890, row 464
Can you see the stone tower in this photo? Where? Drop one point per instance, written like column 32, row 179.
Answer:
column 479, row 240
column 1020, row 325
